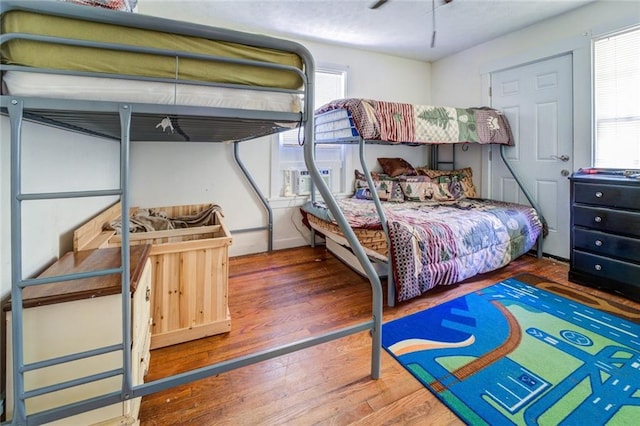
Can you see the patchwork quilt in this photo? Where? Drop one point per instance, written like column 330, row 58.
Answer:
column 444, row 243
column 408, row 123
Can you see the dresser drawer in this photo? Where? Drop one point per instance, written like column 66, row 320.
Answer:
column 606, row 268
column 141, row 306
column 619, row 221
column 607, row 244
column 620, row 196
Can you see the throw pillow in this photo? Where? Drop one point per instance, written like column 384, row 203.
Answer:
column 460, row 180
column 423, row 188
column 387, row 188
column 396, row 167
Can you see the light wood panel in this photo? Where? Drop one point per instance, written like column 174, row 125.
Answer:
column 287, row 295
column 189, row 271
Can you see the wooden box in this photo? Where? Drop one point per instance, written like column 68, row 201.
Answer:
column 189, row 272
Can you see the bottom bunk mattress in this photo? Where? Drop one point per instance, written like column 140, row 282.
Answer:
column 437, row 243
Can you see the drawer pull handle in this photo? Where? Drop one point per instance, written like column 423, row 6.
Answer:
column 147, row 294
column 598, row 219
column 598, row 267
column 598, row 243
column 598, row 194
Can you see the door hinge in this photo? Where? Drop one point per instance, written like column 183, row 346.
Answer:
column 490, row 91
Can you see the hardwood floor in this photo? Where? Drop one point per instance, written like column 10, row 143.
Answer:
column 287, row 295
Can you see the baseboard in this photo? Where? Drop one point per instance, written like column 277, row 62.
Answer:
column 256, row 242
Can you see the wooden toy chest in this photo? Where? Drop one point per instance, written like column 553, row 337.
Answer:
column 189, row 275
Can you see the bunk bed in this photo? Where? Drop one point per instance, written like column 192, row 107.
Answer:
column 422, row 227
column 128, row 78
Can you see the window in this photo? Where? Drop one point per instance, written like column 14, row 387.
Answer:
column 617, row 100
column 330, row 84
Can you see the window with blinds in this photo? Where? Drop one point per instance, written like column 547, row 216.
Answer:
column 617, row 100
column 330, row 84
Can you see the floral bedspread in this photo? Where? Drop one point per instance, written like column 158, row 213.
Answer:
column 408, row 123
column 441, row 244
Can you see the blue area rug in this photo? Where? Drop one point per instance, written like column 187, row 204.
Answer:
column 513, row 353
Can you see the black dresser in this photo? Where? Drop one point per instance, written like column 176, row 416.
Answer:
column 605, row 231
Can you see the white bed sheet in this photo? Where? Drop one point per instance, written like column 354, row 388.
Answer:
column 60, row 86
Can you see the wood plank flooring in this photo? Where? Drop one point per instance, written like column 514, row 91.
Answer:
column 287, row 295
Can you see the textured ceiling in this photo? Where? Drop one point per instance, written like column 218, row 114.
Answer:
column 400, row 27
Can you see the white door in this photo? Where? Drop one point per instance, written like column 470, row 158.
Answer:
column 538, row 101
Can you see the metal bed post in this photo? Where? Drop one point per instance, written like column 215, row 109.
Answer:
column 391, row 294
column 125, row 252
column 434, row 156
column 374, row 279
column 258, row 192
column 15, row 109
column 530, row 198
column 312, row 197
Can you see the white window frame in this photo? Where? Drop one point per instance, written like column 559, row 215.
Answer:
column 336, row 157
column 623, row 161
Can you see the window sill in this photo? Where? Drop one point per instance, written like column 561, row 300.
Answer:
column 298, row 200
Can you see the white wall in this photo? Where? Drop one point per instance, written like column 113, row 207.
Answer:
column 189, row 173
column 462, row 79
column 53, row 161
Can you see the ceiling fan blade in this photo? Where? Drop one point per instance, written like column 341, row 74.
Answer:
column 377, row 4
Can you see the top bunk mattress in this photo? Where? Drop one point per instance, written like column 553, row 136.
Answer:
column 401, row 123
column 140, row 59
column 59, row 86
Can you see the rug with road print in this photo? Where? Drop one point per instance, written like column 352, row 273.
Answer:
column 514, row 353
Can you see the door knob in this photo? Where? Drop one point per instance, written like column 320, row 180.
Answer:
column 563, row 157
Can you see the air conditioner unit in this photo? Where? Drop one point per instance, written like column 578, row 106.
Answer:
column 298, row 181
